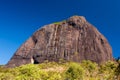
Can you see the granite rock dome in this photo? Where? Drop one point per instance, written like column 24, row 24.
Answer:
column 73, row 39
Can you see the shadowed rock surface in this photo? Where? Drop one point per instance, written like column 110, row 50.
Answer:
column 72, row 40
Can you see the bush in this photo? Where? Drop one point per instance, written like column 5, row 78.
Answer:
column 117, row 71
column 86, row 70
column 30, row 72
column 108, row 70
column 57, row 23
column 89, row 65
column 54, row 76
column 74, row 72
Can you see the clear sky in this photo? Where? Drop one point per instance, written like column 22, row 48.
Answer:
column 20, row 18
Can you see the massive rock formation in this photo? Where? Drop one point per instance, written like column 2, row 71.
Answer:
column 74, row 39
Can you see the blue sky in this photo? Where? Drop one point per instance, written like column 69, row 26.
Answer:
column 20, row 18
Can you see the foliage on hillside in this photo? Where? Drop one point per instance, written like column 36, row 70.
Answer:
column 86, row 70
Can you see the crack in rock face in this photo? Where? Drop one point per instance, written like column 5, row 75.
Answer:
column 74, row 39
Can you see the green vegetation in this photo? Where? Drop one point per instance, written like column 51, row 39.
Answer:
column 86, row 70
column 57, row 23
column 75, row 71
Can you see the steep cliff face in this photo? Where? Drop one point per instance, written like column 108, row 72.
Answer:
column 72, row 40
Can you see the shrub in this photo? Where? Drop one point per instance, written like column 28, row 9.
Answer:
column 74, row 72
column 89, row 65
column 57, row 23
column 30, row 72
column 117, row 71
column 6, row 76
column 86, row 70
column 108, row 70
column 54, row 76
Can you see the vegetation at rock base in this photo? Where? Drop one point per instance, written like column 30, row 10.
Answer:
column 86, row 70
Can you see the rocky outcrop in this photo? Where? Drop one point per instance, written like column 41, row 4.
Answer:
column 72, row 40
